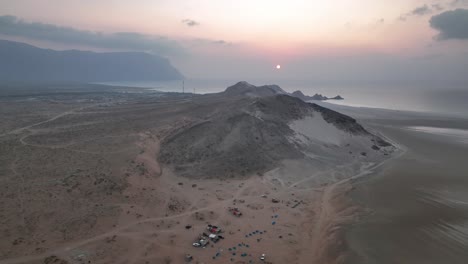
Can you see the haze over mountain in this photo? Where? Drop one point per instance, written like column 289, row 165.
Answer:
column 23, row 62
column 245, row 88
column 328, row 41
column 109, row 154
column 299, row 94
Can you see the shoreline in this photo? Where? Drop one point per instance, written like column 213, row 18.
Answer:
column 391, row 199
column 321, row 208
column 344, row 212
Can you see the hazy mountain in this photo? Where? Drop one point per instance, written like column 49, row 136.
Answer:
column 316, row 97
column 245, row 88
column 23, row 62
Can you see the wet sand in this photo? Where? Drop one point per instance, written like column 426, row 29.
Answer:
column 416, row 206
column 99, row 154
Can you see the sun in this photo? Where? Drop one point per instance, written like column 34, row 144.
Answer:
column 278, row 67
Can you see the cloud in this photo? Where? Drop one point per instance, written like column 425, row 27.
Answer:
column 13, row 26
column 221, row 42
column 208, row 42
column 348, row 25
column 377, row 23
column 421, row 11
column 459, row 3
column 437, row 7
column 190, row 22
column 402, row 17
column 451, row 24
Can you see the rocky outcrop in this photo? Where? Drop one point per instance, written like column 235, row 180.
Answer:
column 247, row 89
column 251, row 134
column 315, row 97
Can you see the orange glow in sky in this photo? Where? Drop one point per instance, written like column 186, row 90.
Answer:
column 246, row 31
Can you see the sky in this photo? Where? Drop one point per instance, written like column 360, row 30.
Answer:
column 329, row 40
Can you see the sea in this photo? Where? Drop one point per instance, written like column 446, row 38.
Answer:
column 447, row 98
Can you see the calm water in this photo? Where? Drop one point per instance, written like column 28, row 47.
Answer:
column 446, row 98
column 417, row 204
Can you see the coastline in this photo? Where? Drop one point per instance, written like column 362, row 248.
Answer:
column 402, row 206
column 309, row 211
column 337, row 210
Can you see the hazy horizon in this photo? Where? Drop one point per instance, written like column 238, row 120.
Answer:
column 150, row 131
column 337, row 40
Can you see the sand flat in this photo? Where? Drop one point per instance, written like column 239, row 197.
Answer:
column 416, row 203
column 460, row 135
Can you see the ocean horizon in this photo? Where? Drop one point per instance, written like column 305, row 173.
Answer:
column 447, row 98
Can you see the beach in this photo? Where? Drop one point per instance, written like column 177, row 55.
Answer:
column 138, row 177
column 415, row 208
column 234, row 132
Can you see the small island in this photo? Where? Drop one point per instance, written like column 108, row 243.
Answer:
column 315, row 97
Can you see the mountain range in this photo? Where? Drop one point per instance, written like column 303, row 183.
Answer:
column 23, row 62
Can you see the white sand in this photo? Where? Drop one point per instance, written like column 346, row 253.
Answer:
column 316, row 129
column 460, row 135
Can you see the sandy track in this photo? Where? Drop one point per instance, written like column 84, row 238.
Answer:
column 319, row 229
column 333, row 210
column 156, row 204
column 21, row 189
column 151, row 147
column 117, row 231
column 18, row 130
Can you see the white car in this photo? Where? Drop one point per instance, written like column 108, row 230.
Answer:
column 262, row 257
column 201, row 243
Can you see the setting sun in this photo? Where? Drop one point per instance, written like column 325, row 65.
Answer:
column 146, row 123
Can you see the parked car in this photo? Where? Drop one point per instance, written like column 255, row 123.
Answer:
column 235, row 211
column 214, row 238
column 201, row 242
column 214, row 229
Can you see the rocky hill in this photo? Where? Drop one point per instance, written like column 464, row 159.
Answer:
column 258, row 128
column 247, row 89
